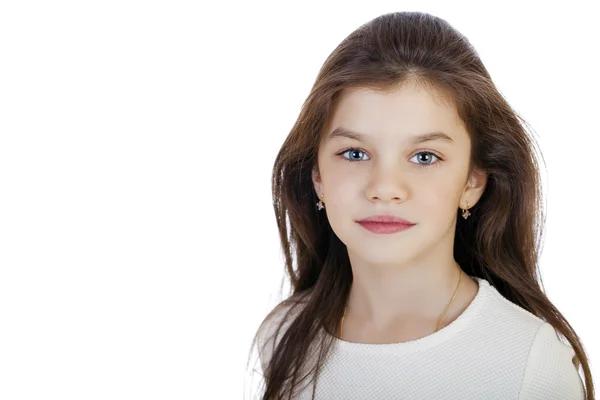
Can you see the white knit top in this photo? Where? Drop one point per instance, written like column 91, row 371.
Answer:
column 493, row 350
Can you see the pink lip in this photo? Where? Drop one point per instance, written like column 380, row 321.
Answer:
column 382, row 227
column 385, row 218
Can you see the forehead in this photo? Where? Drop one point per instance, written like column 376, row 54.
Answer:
column 407, row 110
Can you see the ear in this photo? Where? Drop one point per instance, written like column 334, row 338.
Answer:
column 474, row 188
column 316, row 179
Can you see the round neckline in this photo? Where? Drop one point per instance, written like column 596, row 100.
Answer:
column 428, row 341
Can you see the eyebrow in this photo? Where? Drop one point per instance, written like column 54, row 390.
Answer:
column 417, row 139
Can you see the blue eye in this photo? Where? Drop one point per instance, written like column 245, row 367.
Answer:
column 352, row 151
column 429, row 154
column 355, row 152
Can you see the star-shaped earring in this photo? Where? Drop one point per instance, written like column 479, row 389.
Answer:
column 466, row 212
column 320, row 204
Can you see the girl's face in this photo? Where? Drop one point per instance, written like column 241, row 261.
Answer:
column 408, row 156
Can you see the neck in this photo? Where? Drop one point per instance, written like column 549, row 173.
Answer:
column 421, row 293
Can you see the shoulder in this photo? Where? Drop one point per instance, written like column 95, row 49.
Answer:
column 509, row 312
column 550, row 372
column 545, row 364
column 502, row 321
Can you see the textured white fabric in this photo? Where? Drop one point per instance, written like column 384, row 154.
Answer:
column 493, row 350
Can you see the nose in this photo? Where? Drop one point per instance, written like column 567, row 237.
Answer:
column 388, row 185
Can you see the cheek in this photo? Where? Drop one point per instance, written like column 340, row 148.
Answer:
column 341, row 198
column 341, row 183
column 441, row 196
column 343, row 194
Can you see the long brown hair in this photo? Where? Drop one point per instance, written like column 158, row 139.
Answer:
column 500, row 242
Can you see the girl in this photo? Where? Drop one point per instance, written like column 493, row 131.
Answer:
column 408, row 206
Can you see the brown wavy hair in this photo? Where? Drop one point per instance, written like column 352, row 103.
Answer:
column 500, row 242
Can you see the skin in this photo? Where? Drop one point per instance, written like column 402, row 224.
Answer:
column 402, row 282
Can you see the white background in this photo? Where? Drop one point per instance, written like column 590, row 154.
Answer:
column 138, row 245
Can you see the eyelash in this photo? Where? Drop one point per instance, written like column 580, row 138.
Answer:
column 341, row 153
